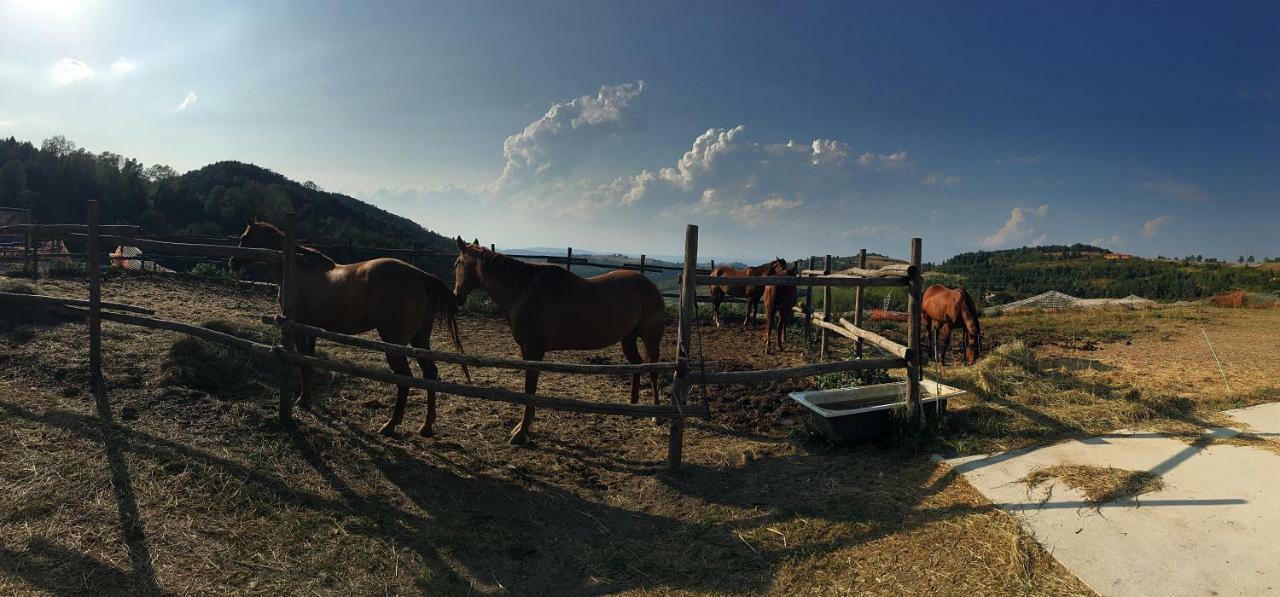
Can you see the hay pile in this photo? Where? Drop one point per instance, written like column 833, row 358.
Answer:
column 1100, row 485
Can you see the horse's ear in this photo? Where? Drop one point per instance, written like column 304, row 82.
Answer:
column 248, row 222
column 462, row 244
column 475, row 242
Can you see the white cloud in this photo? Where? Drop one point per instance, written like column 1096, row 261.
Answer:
column 6, row 123
column 1039, row 240
column 866, row 230
column 187, row 101
column 70, row 70
column 123, row 67
column 938, row 179
column 1108, row 243
column 1174, row 189
column 1015, row 229
column 891, row 161
column 554, row 144
column 754, row 214
column 1151, row 227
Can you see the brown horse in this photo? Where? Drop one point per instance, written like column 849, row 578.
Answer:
column 943, row 310
column 779, row 300
column 399, row 300
column 550, row 308
column 777, row 267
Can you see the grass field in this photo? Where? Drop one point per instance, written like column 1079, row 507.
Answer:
column 184, row 483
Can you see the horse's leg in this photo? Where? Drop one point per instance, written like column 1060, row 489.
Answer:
column 306, row 345
column 747, row 314
column 716, row 297
column 944, row 342
column 784, row 318
column 652, row 344
column 632, row 353
column 429, row 371
column 400, row 366
column 520, row 434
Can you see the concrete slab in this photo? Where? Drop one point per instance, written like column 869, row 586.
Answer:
column 1262, row 419
column 1213, row 530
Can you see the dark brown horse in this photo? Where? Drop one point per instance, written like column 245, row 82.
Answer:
column 777, row 267
column 550, row 308
column 399, row 300
column 943, row 310
column 779, row 301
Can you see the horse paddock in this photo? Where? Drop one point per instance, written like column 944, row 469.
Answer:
column 198, row 490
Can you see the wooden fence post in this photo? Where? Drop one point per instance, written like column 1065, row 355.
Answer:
column 95, row 300
column 287, row 302
column 808, row 306
column 568, row 258
column 413, row 252
column 913, row 334
column 642, row 264
column 826, row 308
column 857, row 303
column 688, row 314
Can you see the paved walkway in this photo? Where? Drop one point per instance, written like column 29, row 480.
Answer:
column 1213, row 530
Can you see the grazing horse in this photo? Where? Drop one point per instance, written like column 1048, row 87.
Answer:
column 777, row 267
column 779, row 300
column 943, row 310
column 551, row 308
column 399, row 300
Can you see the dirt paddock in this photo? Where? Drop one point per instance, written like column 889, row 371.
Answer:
column 186, row 484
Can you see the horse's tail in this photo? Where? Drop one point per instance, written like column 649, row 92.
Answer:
column 447, row 313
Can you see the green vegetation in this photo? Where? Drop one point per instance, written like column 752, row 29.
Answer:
column 1086, row 272
column 54, row 180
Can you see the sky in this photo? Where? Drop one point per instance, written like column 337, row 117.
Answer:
column 780, row 129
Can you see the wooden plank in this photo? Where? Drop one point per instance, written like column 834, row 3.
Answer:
column 895, row 270
column 661, row 411
column 177, row 326
column 886, row 344
column 95, row 302
column 732, row 377
column 58, row 300
column 473, row 360
column 288, row 304
column 57, row 230
column 265, row 255
column 826, row 309
column 833, row 280
column 688, row 316
column 857, row 304
column 914, row 373
column 808, row 308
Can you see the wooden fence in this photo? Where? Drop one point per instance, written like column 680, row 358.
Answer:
column 95, row 310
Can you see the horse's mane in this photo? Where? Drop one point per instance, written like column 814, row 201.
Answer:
column 303, row 249
column 504, row 265
column 971, row 307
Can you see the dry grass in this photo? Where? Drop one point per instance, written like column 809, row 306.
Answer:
column 1100, row 485
column 180, row 484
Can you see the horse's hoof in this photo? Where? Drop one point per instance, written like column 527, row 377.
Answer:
column 519, row 437
column 426, row 432
column 387, row 430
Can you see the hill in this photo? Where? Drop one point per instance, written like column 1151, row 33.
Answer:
column 1090, row 272
column 54, row 180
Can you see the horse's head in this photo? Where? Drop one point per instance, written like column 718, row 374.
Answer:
column 778, row 267
column 973, row 329
column 258, row 235
column 466, row 270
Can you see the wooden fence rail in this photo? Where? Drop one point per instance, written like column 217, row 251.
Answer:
column 474, row 360
column 661, row 411
column 58, row 300
column 267, row 255
column 60, row 230
column 832, row 280
column 764, row 375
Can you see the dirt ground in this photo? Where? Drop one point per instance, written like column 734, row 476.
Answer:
column 168, row 488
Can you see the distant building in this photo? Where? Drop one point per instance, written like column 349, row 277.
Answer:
column 1117, row 256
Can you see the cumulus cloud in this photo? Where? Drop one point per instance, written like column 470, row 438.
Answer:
column 187, row 101
column 1177, row 190
column 1151, row 227
column 123, row 67
column 1017, row 228
column 1108, row 243
column 938, row 179
column 70, row 70
column 553, row 144
column 891, row 161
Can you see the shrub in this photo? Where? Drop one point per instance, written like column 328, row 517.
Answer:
column 211, row 271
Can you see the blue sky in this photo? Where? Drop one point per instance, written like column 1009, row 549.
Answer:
column 783, row 129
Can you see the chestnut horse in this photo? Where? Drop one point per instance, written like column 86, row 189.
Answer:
column 779, row 300
column 943, row 310
column 399, row 300
column 551, row 308
column 777, row 267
